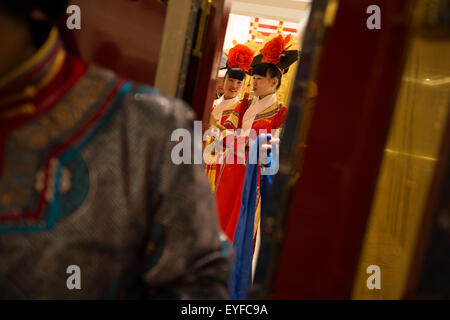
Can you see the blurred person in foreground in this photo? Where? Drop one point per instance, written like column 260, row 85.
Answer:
column 87, row 183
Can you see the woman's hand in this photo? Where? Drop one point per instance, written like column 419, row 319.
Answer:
column 267, row 148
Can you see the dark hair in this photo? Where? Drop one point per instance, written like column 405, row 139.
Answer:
column 235, row 73
column 23, row 8
column 264, row 69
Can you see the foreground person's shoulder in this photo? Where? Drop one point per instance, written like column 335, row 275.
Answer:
column 155, row 106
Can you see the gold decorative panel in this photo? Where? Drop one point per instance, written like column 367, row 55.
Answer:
column 409, row 162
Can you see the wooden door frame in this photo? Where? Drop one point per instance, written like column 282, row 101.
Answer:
column 205, row 87
column 317, row 238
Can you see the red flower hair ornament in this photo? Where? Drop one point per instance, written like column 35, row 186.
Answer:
column 276, row 52
column 240, row 56
column 274, row 49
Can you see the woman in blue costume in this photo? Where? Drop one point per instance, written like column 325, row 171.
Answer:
column 86, row 178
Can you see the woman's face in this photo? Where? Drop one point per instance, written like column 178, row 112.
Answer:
column 263, row 86
column 219, row 85
column 232, row 87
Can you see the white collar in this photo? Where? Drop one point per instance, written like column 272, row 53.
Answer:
column 257, row 106
column 221, row 105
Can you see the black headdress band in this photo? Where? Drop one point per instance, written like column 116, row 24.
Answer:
column 288, row 58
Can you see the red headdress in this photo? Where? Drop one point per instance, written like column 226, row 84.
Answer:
column 276, row 52
column 240, row 56
column 274, row 49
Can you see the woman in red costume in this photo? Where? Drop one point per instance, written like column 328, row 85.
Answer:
column 238, row 63
column 263, row 113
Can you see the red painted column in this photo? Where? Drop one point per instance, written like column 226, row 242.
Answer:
column 358, row 76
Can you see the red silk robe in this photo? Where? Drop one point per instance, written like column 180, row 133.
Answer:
column 212, row 168
column 230, row 177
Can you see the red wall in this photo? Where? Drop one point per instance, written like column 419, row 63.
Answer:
column 122, row 35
